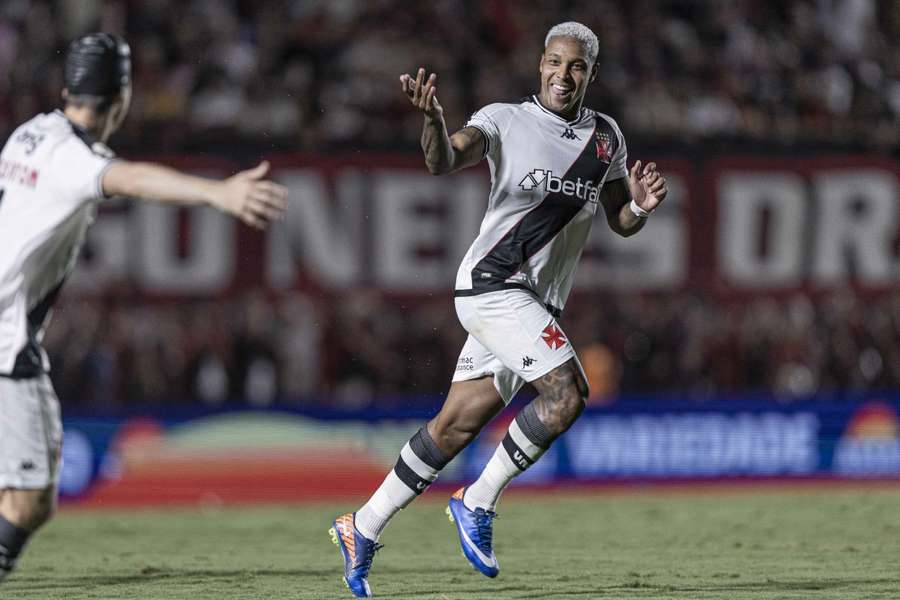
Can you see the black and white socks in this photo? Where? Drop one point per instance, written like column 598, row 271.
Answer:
column 525, row 441
column 420, row 461
column 417, row 467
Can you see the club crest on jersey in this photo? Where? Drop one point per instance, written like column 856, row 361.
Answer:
column 546, row 180
column 602, row 143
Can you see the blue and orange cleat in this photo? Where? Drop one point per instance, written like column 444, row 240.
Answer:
column 358, row 552
column 476, row 530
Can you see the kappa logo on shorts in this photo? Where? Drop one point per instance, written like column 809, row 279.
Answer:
column 527, row 361
column 27, row 465
column 554, row 337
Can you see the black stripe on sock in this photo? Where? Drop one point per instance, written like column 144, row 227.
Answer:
column 516, row 454
column 533, row 428
column 410, row 477
column 424, row 446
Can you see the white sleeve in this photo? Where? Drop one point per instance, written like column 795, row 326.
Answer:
column 488, row 121
column 81, row 170
column 617, row 166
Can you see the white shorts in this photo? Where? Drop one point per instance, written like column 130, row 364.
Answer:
column 30, row 434
column 512, row 336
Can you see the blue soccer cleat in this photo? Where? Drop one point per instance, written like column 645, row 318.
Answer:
column 476, row 530
column 358, row 552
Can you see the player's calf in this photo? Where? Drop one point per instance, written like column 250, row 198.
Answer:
column 22, row 512
column 12, row 541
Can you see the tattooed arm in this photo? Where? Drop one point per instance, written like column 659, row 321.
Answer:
column 443, row 153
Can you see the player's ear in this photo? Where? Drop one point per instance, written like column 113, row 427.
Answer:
column 65, row 94
column 593, row 73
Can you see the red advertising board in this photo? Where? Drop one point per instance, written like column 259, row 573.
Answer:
column 731, row 226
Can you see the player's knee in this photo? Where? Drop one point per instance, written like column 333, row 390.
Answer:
column 563, row 394
column 31, row 509
column 568, row 407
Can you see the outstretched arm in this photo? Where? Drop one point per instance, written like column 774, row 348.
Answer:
column 245, row 195
column 628, row 201
column 443, row 153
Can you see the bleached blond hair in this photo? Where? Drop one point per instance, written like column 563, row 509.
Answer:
column 580, row 32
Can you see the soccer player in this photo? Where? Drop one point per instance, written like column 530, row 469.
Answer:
column 552, row 163
column 54, row 170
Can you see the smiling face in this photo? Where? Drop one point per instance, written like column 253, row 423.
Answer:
column 566, row 71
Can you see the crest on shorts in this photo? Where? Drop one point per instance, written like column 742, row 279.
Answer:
column 554, row 337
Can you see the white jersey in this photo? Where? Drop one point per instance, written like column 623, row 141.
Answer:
column 546, row 176
column 50, row 181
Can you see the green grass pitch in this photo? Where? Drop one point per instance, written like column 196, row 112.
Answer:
column 774, row 544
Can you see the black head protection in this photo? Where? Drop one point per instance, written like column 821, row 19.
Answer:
column 98, row 64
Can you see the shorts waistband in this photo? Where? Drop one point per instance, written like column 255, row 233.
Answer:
column 555, row 312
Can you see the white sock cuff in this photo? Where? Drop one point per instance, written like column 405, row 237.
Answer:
column 396, row 492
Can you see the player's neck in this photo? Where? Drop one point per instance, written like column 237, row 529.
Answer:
column 567, row 115
column 87, row 120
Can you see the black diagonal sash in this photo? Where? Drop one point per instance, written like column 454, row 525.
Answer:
column 544, row 222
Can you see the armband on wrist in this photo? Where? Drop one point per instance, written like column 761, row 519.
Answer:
column 638, row 211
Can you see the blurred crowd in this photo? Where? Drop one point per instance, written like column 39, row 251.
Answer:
column 244, row 76
column 352, row 350
column 322, row 74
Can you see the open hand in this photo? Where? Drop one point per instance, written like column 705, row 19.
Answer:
column 252, row 199
column 422, row 93
column 648, row 186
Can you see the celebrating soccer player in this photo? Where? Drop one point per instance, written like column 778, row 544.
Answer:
column 552, row 163
column 54, row 170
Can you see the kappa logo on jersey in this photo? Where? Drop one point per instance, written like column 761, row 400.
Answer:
column 527, row 361
column 569, row 134
column 554, row 337
column 581, row 189
column 601, row 143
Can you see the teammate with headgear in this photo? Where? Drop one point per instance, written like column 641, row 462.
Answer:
column 54, row 171
column 98, row 65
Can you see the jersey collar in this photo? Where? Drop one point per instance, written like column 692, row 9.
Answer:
column 78, row 130
column 537, row 102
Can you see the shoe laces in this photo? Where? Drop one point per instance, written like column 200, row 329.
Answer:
column 365, row 561
column 484, row 523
